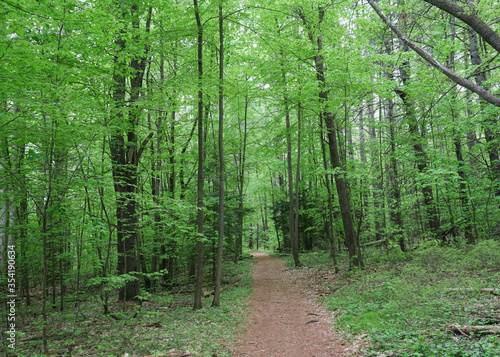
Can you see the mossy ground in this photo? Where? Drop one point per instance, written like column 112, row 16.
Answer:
column 402, row 304
column 164, row 324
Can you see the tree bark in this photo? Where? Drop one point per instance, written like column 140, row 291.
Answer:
column 218, row 274
column 329, row 222
column 238, row 249
column 125, row 154
column 355, row 257
column 201, row 155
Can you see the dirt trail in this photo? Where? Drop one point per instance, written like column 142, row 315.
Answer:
column 284, row 321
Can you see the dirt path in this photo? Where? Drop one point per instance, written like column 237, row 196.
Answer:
column 285, row 322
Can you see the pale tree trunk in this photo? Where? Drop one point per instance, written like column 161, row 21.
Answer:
column 241, row 161
column 395, row 193
column 376, row 158
column 490, row 123
column 295, row 246
column 457, row 142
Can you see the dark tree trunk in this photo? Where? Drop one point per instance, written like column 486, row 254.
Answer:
column 432, row 217
column 218, row 274
column 295, row 248
column 125, row 156
column 355, row 257
column 201, row 155
column 328, row 179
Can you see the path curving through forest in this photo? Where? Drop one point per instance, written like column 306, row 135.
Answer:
column 285, row 320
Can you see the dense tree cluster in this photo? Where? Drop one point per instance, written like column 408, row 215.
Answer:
column 144, row 141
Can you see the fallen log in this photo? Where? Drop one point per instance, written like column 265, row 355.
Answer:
column 491, row 291
column 372, row 243
column 484, row 290
column 480, row 330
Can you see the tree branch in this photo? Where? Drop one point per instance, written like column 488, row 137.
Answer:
column 471, row 19
column 483, row 93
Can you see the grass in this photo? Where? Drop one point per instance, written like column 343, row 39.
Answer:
column 164, row 324
column 403, row 303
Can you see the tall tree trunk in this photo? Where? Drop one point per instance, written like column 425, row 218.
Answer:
column 328, row 179
column 125, row 154
column 376, row 158
column 395, row 193
column 218, row 275
column 238, row 249
column 294, row 239
column 490, row 122
column 355, row 257
column 457, row 142
column 297, row 178
column 432, row 218
column 201, row 155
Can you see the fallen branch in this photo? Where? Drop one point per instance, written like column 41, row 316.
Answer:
column 173, row 353
column 484, row 330
column 491, row 291
column 484, row 290
column 376, row 242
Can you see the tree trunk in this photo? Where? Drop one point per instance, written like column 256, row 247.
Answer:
column 432, row 218
column 238, row 249
column 376, row 158
column 125, row 156
column 216, row 300
column 490, row 122
column 201, row 155
column 395, row 193
column 329, row 222
column 462, row 189
column 355, row 257
column 297, row 178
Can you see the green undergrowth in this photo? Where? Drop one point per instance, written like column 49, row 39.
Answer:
column 403, row 304
column 165, row 324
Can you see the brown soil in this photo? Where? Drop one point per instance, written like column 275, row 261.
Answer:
column 285, row 319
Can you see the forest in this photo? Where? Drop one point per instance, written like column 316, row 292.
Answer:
column 148, row 146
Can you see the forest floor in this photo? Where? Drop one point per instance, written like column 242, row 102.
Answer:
column 285, row 319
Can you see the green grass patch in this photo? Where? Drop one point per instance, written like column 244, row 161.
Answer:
column 404, row 305
column 165, row 323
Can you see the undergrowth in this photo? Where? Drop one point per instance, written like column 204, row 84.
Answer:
column 164, row 324
column 404, row 304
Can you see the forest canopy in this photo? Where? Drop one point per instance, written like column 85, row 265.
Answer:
column 144, row 142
